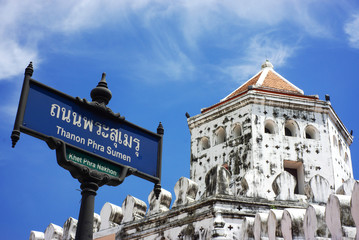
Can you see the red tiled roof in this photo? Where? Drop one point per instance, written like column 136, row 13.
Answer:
column 267, row 78
column 245, row 86
column 272, row 80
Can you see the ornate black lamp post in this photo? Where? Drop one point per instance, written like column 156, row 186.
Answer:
column 101, row 96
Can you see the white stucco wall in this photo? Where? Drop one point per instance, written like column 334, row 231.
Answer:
column 342, row 165
column 270, row 153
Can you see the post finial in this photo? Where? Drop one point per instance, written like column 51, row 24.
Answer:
column 103, row 80
column 29, row 69
column 101, row 93
column 157, row 190
column 160, row 129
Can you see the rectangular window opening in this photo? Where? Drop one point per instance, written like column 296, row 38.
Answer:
column 296, row 169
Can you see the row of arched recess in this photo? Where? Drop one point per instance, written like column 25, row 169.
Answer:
column 338, row 144
column 291, row 129
column 220, row 136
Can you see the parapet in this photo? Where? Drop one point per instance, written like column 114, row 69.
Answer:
column 222, row 214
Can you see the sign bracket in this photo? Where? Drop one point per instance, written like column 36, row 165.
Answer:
column 83, row 173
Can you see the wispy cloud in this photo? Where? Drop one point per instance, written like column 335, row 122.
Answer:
column 14, row 58
column 16, row 45
column 257, row 50
column 351, row 28
column 166, row 61
column 192, row 24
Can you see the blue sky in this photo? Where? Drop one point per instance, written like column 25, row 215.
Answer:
column 162, row 59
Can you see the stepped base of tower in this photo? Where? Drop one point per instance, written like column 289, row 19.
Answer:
column 224, row 216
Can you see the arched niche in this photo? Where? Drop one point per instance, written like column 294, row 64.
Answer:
column 219, row 135
column 335, row 141
column 311, row 132
column 270, row 127
column 346, row 158
column 204, row 143
column 291, row 128
column 340, row 146
column 237, row 131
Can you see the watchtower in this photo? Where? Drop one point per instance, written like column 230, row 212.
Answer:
column 268, row 126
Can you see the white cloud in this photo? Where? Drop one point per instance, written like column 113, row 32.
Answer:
column 18, row 45
column 24, row 26
column 258, row 49
column 86, row 14
column 202, row 16
column 165, row 60
column 15, row 58
column 194, row 18
column 351, row 28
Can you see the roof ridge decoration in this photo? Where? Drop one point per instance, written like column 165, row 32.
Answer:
column 266, row 78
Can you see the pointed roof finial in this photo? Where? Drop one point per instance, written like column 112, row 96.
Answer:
column 101, row 93
column 267, row 64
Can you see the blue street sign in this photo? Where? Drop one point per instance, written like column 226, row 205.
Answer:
column 50, row 113
column 95, row 145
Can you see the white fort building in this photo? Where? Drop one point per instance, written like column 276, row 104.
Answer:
column 267, row 162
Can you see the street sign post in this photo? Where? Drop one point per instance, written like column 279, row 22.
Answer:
column 97, row 146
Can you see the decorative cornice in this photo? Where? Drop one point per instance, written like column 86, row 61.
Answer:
column 101, row 107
